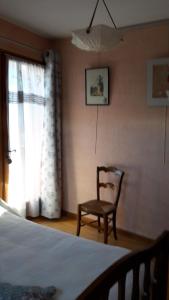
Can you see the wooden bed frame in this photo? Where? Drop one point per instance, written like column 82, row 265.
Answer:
column 155, row 277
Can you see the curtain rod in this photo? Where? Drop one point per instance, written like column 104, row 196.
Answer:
column 20, row 44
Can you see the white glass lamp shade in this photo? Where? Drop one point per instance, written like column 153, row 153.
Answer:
column 100, row 38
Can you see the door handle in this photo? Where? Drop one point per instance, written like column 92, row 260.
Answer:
column 14, row 150
column 9, row 160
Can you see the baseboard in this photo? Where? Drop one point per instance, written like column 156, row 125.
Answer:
column 69, row 214
column 120, row 230
column 135, row 235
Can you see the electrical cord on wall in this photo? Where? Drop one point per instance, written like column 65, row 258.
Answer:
column 165, row 135
column 97, row 119
column 165, row 127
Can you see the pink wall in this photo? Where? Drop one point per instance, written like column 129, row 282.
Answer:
column 130, row 134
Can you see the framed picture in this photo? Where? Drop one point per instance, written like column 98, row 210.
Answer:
column 158, row 82
column 97, row 86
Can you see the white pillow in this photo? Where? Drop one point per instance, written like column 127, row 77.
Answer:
column 8, row 208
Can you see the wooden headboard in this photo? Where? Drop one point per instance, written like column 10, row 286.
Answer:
column 155, row 277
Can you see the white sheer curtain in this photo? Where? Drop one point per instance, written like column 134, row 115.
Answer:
column 26, row 114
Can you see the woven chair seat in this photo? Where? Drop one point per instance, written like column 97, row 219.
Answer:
column 97, row 207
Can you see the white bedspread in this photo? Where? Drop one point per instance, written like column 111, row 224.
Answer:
column 31, row 254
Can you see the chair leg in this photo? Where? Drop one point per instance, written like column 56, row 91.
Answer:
column 105, row 229
column 78, row 220
column 114, row 226
column 99, row 228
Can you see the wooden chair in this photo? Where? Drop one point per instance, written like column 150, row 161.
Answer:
column 101, row 208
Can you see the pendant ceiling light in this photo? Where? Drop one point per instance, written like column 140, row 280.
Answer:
column 99, row 37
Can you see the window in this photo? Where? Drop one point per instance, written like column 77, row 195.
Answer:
column 26, row 102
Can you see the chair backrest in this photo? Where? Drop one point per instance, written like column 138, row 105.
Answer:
column 115, row 183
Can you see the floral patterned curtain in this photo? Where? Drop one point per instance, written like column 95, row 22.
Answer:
column 51, row 148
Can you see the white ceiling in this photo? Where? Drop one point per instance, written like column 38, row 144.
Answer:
column 57, row 18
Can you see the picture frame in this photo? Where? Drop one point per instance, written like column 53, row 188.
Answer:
column 158, row 82
column 97, row 86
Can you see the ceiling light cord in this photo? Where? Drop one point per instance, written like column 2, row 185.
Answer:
column 91, row 22
column 94, row 12
column 109, row 14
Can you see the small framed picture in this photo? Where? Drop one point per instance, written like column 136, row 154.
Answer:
column 97, row 86
column 158, row 82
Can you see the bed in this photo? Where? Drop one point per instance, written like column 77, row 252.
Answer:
column 34, row 255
